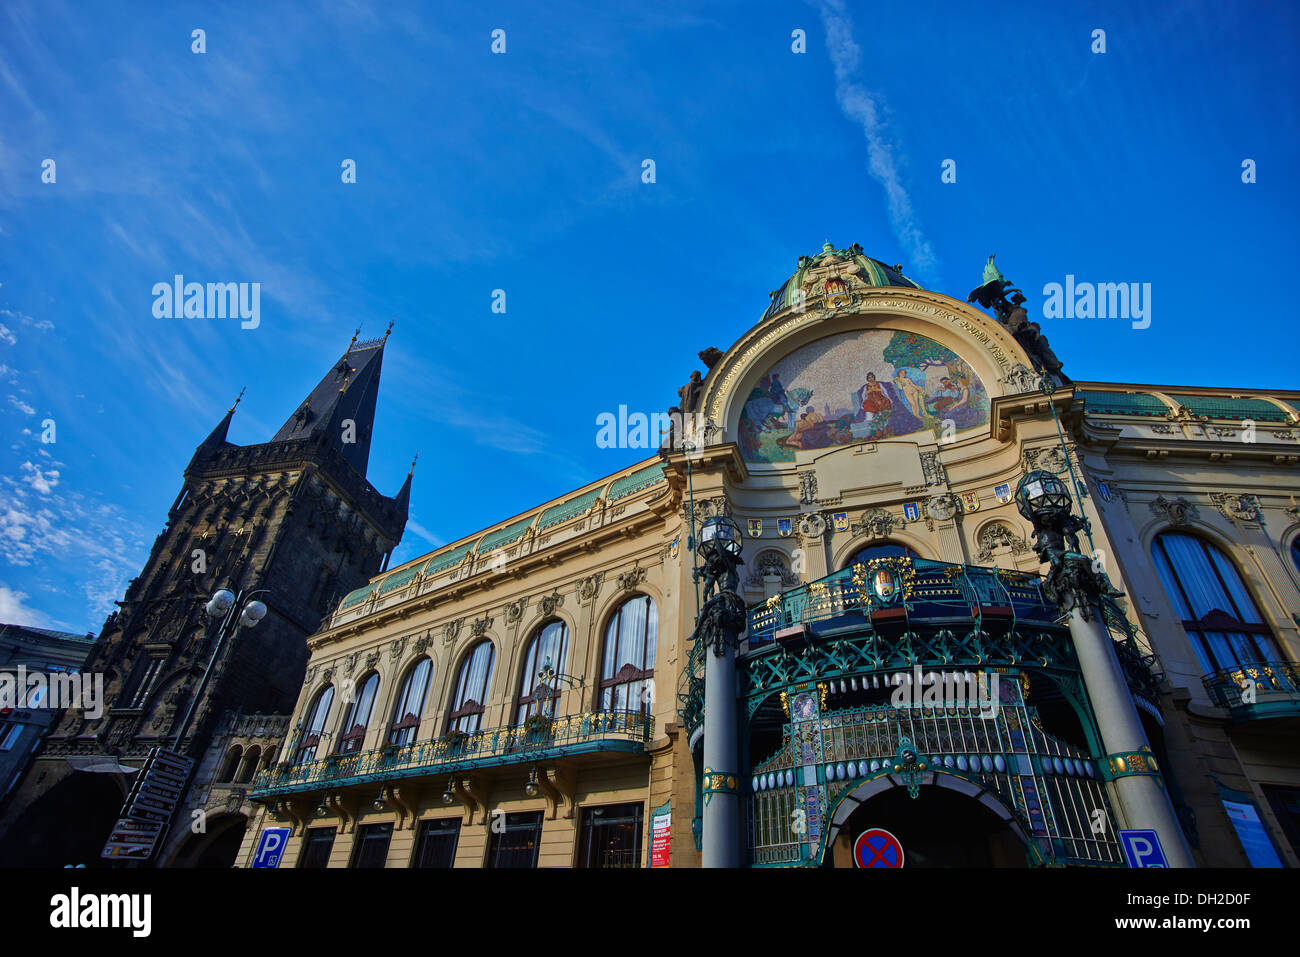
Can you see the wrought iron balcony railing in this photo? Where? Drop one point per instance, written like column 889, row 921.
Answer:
column 930, row 590
column 537, row 740
column 1263, row 689
column 947, row 612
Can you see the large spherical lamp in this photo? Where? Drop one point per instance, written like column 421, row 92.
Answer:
column 220, row 603
column 254, row 612
column 721, row 532
column 1042, row 496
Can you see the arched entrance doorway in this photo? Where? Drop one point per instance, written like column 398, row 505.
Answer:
column 951, row 823
column 217, row 847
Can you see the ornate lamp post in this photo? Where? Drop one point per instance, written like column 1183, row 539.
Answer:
column 234, row 611
column 1077, row 588
column 721, row 621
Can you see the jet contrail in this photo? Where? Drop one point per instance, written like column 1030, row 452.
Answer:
column 858, row 105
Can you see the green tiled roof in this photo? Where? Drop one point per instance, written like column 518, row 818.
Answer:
column 398, row 579
column 636, row 481
column 503, row 536
column 871, row 272
column 1222, row 407
column 567, row 510
column 356, row 597
column 1123, row 403
column 444, row 561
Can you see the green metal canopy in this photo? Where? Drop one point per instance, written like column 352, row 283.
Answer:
column 567, row 510
column 1225, row 407
column 504, row 536
column 445, row 560
column 357, row 597
column 1123, row 403
column 630, row 484
column 398, row 578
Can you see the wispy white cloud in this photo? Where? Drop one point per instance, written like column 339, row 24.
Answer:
column 42, row 481
column 72, row 531
column 420, row 531
column 14, row 612
column 883, row 158
column 21, row 406
column 41, row 325
column 6, row 335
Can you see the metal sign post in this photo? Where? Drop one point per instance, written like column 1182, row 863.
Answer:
column 149, row 807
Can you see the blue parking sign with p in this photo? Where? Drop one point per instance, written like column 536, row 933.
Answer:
column 1142, row 848
column 271, row 847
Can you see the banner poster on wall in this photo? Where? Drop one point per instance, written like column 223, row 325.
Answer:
column 660, row 827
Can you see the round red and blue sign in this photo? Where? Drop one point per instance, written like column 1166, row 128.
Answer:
column 877, row 848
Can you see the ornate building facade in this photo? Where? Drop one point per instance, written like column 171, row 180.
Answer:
column 295, row 516
column 532, row 694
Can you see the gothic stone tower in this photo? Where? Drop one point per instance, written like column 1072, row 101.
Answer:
column 295, row 516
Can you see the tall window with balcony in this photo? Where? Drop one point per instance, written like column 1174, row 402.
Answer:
column 410, row 703
column 631, row 638
column 314, row 725
column 548, row 649
column 352, row 732
column 472, row 682
column 1221, row 620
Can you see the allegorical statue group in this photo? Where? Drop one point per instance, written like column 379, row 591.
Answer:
column 993, row 294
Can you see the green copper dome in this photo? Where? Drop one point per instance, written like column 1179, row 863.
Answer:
column 835, row 273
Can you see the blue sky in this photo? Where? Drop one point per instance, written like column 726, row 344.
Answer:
column 522, row 172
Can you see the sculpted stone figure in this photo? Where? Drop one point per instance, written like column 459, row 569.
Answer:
column 998, row 294
column 690, row 393
column 670, row 437
column 710, row 357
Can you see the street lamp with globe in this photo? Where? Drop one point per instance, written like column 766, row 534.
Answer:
column 234, row 611
column 720, row 547
column 1079, row 588
column 721, row 622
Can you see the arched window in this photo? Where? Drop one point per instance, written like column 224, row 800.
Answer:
column 881, row 550
column 410, row 704
column 231, row 764
column 352, row 732
column 549, row 647
column 249, row 767
column 629, row 666
column 314, row 725
column 1221, row 620
column 472, row 682
column 1295, row 552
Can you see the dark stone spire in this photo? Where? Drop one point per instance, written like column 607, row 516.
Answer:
column 342, row 406
column 217, row 437
column 403, row 499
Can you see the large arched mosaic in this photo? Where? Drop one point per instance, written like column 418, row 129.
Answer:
column 863, row 385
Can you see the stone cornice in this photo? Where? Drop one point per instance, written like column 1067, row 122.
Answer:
column 1005, row 409
column 1176, row 446
column 710, row 459
column 582, row 545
